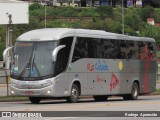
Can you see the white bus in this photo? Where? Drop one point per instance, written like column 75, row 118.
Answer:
column 68, row 63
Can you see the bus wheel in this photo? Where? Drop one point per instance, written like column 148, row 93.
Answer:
column 35, row 100
column 134, row 93
column 100, row 98
column 73, row 98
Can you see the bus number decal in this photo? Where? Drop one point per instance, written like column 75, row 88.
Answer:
column 98, row 66
column 114, row 82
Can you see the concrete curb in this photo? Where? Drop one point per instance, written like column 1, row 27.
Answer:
column 81, row 97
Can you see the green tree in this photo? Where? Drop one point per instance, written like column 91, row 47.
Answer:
column 151, row 31
column 147, row 12
column 2, row 40
column 105, row 11
column 35, row 6
column 133, row 21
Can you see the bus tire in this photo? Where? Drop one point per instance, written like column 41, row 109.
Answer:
column 73, row 98
column 134, row 93
column 35, row 100
column 100, row 98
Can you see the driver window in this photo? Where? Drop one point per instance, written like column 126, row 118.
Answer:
column 63, row 54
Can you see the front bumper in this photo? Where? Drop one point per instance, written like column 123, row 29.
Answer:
column 43, row 92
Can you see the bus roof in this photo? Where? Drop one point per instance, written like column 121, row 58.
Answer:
column 53, row 34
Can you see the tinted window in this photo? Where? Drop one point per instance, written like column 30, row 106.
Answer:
column 94, row 48
column 111, row 49
column 123, row 50
column 81, row 49
column 63, row 54
column 151, row 50
column 132, row 50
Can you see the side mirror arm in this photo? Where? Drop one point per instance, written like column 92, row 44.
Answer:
column 5, row 52
column 55, row 52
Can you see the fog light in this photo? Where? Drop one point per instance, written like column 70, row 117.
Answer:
column 12, row 92
column 48, row 92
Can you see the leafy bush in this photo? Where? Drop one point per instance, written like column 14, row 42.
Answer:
column 105, row 11
column 147, row 12
column 35, row 6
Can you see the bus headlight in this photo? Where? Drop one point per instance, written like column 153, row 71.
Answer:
column 12, row 92
column 48, row 92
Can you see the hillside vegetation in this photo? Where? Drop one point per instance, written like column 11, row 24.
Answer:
column 100, row 18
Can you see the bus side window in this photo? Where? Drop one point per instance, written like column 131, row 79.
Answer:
column 94, row 48
column 110, row 49
column 122, row 51
column 80, row 49
column 151, row 50
column 132, row 52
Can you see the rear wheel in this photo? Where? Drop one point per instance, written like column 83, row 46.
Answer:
column 100, row 98
column 73, row 98
column 134, row 93
column 35, row 100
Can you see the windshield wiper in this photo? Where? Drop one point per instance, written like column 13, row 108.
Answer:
column 28, row 66
column 25, row 68
column 32, row 68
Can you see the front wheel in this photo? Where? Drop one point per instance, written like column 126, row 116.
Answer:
column 34, row 100
column 73, row 98
column 134, row 93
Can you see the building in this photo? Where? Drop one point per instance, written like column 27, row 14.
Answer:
column 151, row 21
column 114, row 3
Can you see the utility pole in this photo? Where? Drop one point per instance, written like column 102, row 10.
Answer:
column 9, row 39
column 122, row 17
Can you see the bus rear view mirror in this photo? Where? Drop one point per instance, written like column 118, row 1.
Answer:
column 5, row 53
column 55, row 52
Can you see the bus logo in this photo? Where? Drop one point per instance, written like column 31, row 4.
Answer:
column 100, row 66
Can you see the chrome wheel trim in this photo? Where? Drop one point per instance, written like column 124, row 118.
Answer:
column 74, row 93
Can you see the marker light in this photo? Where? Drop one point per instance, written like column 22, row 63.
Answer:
column 48, row 92
column 12, row 92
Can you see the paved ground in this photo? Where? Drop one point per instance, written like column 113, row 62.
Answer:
column 3, row 90
column 144, row 103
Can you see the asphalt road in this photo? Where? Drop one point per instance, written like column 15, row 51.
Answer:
column 144, row 103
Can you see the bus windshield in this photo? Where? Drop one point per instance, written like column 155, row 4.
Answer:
column 32, row 60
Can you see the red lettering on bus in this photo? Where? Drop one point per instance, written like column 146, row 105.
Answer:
column 90, row 67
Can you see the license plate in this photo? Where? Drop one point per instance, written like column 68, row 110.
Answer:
column 29, row 93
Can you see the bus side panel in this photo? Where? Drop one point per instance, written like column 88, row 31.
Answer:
column 111, row 77
column 149, row 77
column 77, row 72
column 75, row 77
column 61, row 85
column 107, row 77
column 152, row 76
